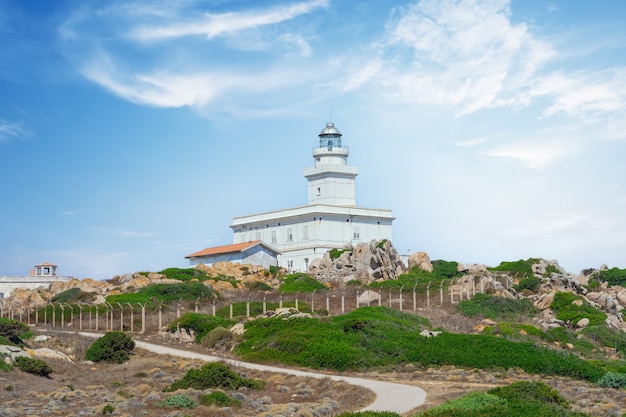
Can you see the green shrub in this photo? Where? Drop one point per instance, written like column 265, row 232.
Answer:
column 184, row 274
column 108, row 409
column 300, row 282
column 13, row 330
column 188, row 291
column 529, row 392
column 257, row 286
column 219, row 399
column 613, row 276
column 566, row 310
column 178, row 401
column 336, row 253
column 33, row 366
column 200, row 323
column 530, row 284
column 496, row 308
column 73, row 294
column 214, row 375
column 474, row 401
column 613, row 380
column 523, row 267
column 112, row 347
column 606, row 337
column 216, row 335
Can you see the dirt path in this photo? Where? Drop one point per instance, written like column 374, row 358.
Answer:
column 390, row 396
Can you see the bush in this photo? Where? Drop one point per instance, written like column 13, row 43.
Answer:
column 523, row 267
column 201, row 324
column 178, row 401
column 112, row 347
column 613, row 276
column 474, row 401
column 73, row 294
column 33, row 366
column 216, row 335
column 566, row 310
column 257, row 286
column 184, row 274
column 188, row 291
column 108, row 409
column 219, row 399
column 13, row 330
column 300, row 282
column 336, row 253
column 525, row 391
column 531, row 284
column 496, row 308
column 613, row 380
column 214, row 375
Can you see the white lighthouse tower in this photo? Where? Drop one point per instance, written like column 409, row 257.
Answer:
column 331, row 180
column 331, row 219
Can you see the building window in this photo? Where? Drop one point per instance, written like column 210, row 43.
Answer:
column 356, row 233
column 305, row 232
column 258, row 236
column 319, row 191
column 289, row 264
column 273, row 236
column 289, row 235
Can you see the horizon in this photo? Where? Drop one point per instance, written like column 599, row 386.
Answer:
column 132, row 133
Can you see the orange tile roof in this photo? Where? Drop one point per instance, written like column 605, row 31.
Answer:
column 237, row 247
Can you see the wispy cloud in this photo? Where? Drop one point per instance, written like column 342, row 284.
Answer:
column 534, row 155
column 466, row 54
column 470, row 143
column 12, row 130
column 68, row 213
column 212, row 25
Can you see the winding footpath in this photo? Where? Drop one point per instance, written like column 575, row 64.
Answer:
column 390, row 396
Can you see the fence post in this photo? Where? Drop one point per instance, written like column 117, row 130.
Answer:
column 62, row 315
column 54, row 316
column 213, row 308
column 36, row 316
column 264, row 302
column 80, row 317
column 280, row 302
column 109, row 319
column 248, row 306
column 178, row 308
column 132, row 318
column 196, row 306
column 313, row 301
column 428, row 295
column 231, row 310
column 121, row 317
column 389, row 297
column 298, row 292
column 143, row 317
column 160, row 317
column 414, row 298
column 328, row 301
column 401, row 288
column 343, row 302
column 452, row 291
column 96, row 317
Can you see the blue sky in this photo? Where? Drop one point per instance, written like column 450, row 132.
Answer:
column 131, row 132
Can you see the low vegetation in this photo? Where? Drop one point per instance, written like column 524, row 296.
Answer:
column 165, row 293
column 214, row 375
column 300, row 282
column 33, row 366
column 219, row 399
column 201, row 324
column 496, row 308
column 12, row 332
column 566, row 309
column 112, row 347
column 613, row 276
column 520, row 399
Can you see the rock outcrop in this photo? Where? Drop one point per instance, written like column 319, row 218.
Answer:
column 367, row 262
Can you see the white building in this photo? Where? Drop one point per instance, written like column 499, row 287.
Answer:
column 329, row 220
column 42, row 275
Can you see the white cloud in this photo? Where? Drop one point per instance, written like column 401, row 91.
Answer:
column 12, row 130
column 534, row 155
column 550, row 224
column 213, row 25
column 470, row 142
column 465, row 54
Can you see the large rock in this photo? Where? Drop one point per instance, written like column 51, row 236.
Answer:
column 377, row 260
column 420, row 260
